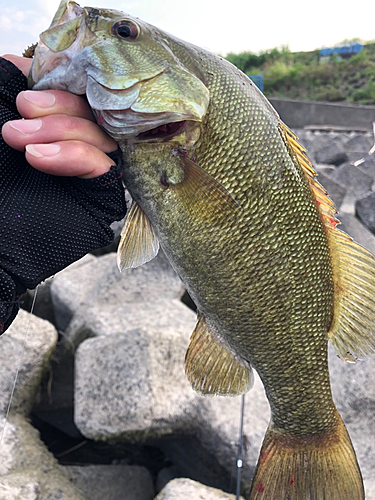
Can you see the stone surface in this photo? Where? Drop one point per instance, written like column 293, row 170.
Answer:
column 368, row 165
column 357, row 184
column 131, row 384
column 365, row 210
column 28, row 471
column 111, row 482
column 335, row 190
column 359, row 143
column 117, row 301
column 181, row 489
column 351, row 225
column 333, row 153
column 353, row 388
column 42, row 307
column 25, row 347
column 72, row 285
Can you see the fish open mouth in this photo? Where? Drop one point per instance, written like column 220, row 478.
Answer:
column 162, row 132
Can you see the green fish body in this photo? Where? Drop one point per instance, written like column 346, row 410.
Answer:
column 224, row 187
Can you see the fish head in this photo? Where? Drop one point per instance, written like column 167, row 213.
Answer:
column 131, row 72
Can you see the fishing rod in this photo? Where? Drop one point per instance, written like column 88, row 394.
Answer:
column 239, row 461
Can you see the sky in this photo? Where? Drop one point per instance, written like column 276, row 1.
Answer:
column 217, row 25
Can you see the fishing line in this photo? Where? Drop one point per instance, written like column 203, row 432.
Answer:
column 239, row 462
column 19, row 366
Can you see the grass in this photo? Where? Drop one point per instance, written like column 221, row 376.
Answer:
column 300, row 75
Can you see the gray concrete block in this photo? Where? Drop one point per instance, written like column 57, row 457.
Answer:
column 181, row 489
column 111, row 482
column 335, row 190
column 28, row 471
column 365, row 210
column 71, row 286
column 334, row 153
column 353, row 389
column 352, row 226
column 131, row 385
column 357, row 184
column 26, row 346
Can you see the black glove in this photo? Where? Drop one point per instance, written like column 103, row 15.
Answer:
column 46, row 222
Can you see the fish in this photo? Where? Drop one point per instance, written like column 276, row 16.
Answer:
column 223, row 186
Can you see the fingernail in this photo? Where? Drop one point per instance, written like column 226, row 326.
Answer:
column 42, row 99
column 40, row 150
column 26, row 127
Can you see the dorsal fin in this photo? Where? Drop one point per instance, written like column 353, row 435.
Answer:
column 352, row 331
column 326, row 206
column 211, row 368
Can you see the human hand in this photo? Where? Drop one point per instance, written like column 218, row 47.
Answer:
column 58, row 132
column 55, row 213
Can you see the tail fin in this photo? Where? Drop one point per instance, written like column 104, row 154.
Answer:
column 317, row 467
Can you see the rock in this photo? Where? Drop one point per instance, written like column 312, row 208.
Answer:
column 28, row 471
column 334, row 153
column 122, row 301
column 335, row 190
column 111, row 482
column 42, row 306
column 359, row 143
column 365, row 210
column 131, row 384
column 368, row 165
column 356, row 182
column 180, row 489
column 353, row 388
column 219, row 429
column 166, row 475
column 313, row 141
column 351, row 225
column 26, row 346
column 72, row 285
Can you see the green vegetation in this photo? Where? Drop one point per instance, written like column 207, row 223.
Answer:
column 300, row 75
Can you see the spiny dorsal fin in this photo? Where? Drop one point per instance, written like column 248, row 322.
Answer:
column 352, row 331
column 211, row 368
column 326, row 206
column 138, row 243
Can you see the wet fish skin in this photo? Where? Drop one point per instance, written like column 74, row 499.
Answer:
column 231, row 197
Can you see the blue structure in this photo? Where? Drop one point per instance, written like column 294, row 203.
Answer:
column 258, row 80
column 343, row 51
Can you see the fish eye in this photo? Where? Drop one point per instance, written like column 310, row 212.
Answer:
column 125, row 30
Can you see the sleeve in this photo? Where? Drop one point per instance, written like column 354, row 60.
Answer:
column 47, row 222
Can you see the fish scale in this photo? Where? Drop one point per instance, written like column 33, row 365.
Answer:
column 223, row 186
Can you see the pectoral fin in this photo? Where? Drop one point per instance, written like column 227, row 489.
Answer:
column 138, row 243
column 211, row 368
column 201, row 194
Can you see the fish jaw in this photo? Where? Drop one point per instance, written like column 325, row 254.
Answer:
column 132, row 86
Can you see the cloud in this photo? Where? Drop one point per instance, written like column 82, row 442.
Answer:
column 20, row 28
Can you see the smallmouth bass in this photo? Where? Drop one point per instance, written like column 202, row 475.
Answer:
column 227, row 191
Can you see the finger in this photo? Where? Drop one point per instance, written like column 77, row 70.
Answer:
column 36, row 103
column 19, row 133
column 22, row 63
column 69, row 158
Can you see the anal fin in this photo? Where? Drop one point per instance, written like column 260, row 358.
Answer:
column 138, row 243
column 211, row 368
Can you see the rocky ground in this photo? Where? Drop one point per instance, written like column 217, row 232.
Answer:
column 108, row 413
